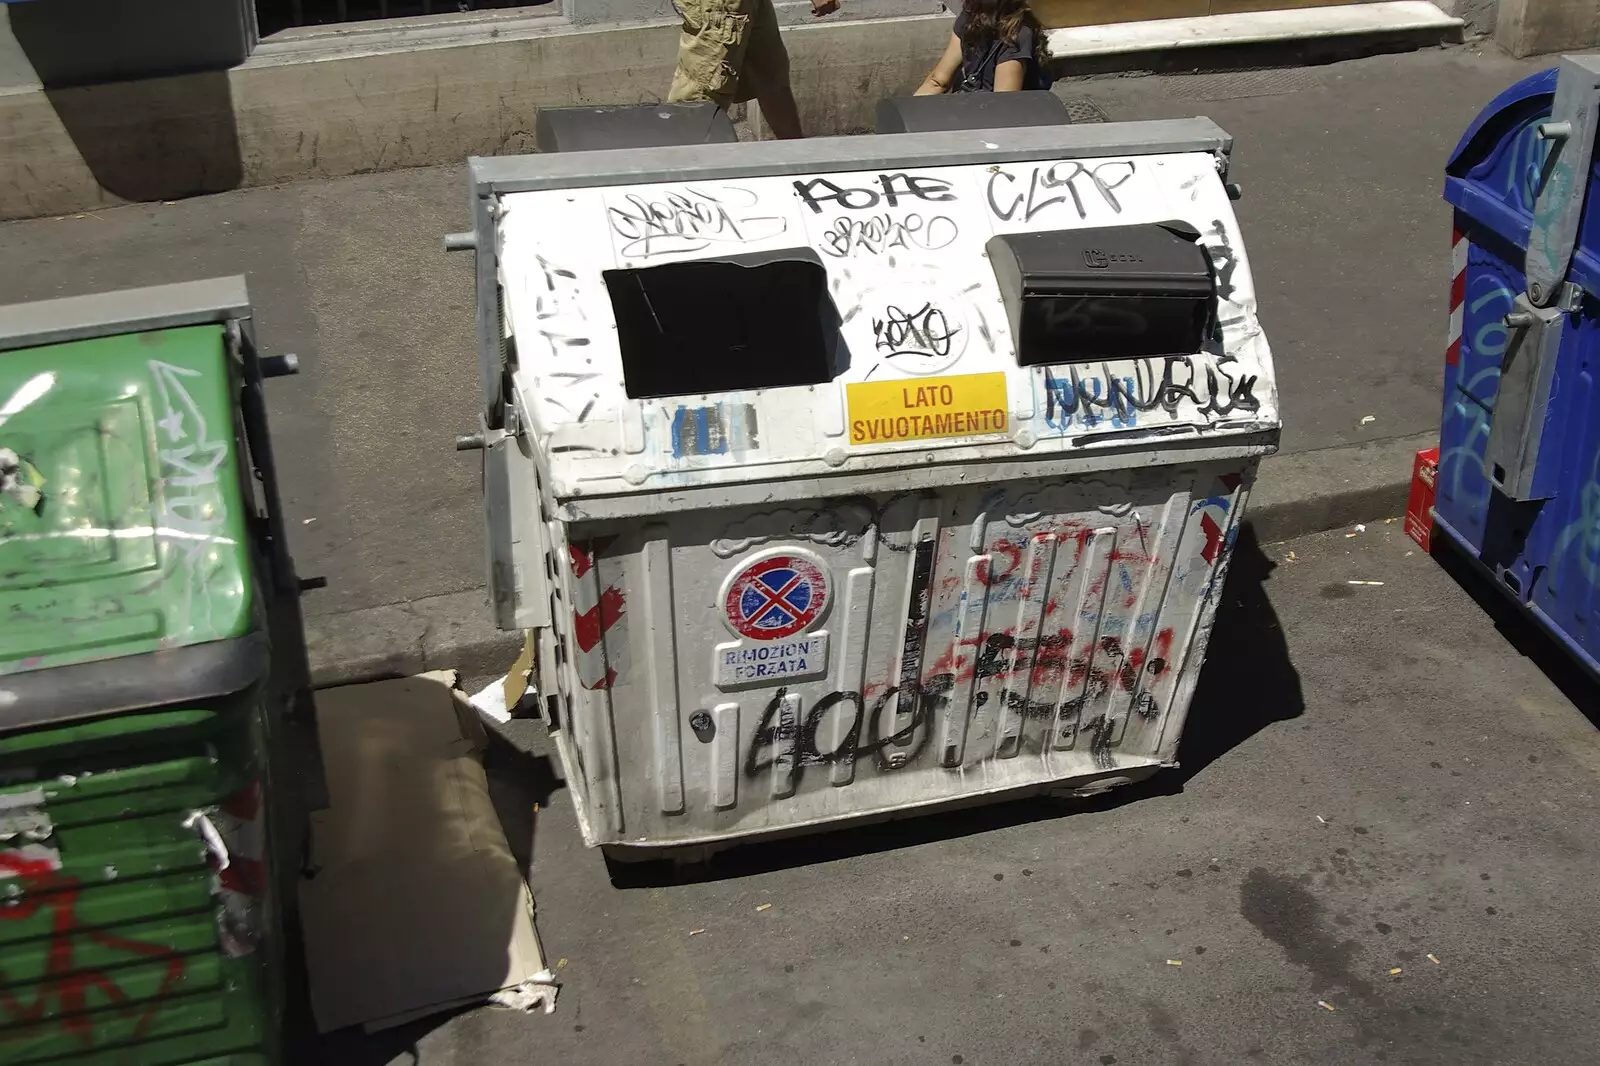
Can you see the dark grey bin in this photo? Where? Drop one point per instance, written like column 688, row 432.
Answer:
column 588, row 129
column 970, row 111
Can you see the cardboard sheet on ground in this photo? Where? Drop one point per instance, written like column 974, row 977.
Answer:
column 418, row 904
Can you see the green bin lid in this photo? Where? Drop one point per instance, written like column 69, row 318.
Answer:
column 122, row 520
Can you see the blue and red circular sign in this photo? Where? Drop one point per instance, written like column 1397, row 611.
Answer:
column 776, row 597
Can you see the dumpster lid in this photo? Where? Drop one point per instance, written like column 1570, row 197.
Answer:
column 846, row 288
column 1505, row 176
column 1109, row 293
column 1147, row 260
column 1481, row 137
column 123, row 526
column 191, row 674
column 75, row 318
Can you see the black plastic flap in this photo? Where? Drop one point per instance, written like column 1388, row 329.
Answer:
column 193, row 673
column 587, row 129
column 1149, row 260
column 971, row 111
column 1117, row 292
column 760, row 320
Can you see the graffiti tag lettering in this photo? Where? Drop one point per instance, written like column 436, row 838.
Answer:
column 924, row 331
column 193, row 512
column 1215, row 388
column 1044, row 661
column 890, row 188
column 1071, row 176
column 879, row 233
column 690, row 220
column 63, row 990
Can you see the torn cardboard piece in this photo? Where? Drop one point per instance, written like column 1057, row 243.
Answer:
column 418, row 904
column 498, row 701
column 519, row 679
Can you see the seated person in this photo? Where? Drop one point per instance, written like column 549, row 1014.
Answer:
column 997, row 46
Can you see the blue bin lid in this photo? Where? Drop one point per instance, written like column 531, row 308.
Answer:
column 1539, row 88
column 1492, row 177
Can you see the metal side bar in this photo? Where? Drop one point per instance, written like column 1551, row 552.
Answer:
column 710, row 162
column 1559, row 207
column 1516, row 427
column 78, row 318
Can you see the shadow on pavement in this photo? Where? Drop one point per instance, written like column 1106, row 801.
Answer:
column 143, row 138
column 1525, row 635
column 520, row 785
column 1247, row 683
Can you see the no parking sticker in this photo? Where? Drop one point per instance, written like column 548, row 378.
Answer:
column 776, row 597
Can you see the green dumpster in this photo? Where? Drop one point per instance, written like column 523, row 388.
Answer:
column 150, row 657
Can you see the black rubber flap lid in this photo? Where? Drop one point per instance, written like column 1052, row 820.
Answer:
column 1163, row 260
column 190, row 674
column 971, row 111
column 1122, row 292
column 588, row 129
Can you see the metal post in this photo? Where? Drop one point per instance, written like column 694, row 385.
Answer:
column 1559, row 207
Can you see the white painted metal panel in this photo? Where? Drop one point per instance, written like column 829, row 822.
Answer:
column 917, row 298
column 763, row 621
column 985, row 640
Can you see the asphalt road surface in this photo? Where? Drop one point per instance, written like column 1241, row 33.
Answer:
column 1381, row 847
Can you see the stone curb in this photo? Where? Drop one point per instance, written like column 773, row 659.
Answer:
column 1312, row 492
column 1295, row 495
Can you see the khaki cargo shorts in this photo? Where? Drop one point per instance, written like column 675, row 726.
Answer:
column 730, row 51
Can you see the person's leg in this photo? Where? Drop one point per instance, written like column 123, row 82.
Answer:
column 766, row 73
column 711, row 51
column 781, row 113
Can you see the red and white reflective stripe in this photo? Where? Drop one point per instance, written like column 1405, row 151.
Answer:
column 1458, row 294
column 242, row 881
column 240, row 823
column 599, row 633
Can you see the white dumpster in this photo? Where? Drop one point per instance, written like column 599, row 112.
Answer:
column 856, row 476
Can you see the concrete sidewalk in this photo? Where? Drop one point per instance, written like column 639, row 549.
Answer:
column 1341, row 167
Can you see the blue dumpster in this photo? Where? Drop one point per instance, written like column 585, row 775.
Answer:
column 1519, row 449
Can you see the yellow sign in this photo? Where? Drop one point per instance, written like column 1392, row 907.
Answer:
column 966, row 405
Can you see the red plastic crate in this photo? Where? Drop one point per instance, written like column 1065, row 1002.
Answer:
column 1419, row 508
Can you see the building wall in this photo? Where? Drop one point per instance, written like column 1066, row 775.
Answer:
column 57, row 43
column 1479, row 15
column 15, row 70
column 285, row 116
column 1537, row 27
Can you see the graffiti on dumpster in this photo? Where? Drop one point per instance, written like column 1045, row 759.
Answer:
column 887, row 189
column 1466, row 415
column 877, row 234
column 690, row 220
column 193, row 511
column 1578, row 543
column 1211, row 386
column 1525, row 164
column 562, row 329
column 1223, row 260
column 1050, row 678
column 923, row 331
column 785, row 742
column 1048, row 186
column 67, row 991
column 20, row 480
